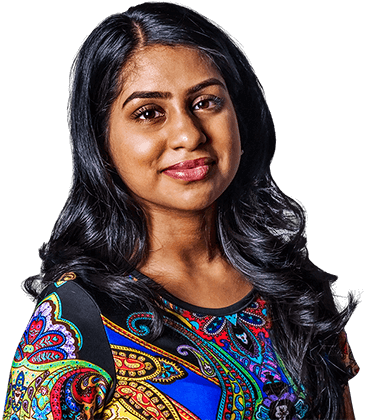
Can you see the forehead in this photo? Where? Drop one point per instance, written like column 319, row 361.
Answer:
column 167, row 68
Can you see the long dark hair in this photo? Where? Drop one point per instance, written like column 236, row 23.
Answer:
column 101, row 233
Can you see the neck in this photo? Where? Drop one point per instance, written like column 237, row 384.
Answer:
column 181, row 237
column 185, row 258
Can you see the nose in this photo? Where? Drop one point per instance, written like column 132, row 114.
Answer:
column 186, row 132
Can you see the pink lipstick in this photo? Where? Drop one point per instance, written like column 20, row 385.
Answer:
column 190, row 170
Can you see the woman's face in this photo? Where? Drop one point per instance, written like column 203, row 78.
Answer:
column 174, row 137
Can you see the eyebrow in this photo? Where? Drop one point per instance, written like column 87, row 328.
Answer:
column 209, row 82
column 167, row 95
column 147, row 95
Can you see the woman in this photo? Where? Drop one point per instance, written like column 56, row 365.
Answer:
column 176, row 283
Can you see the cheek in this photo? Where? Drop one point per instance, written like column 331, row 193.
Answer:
column 132, row 154
column 232, row 146
column 142, row 148
column 235, row 134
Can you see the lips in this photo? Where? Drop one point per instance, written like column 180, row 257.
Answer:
column 190, row 170
column 189, row 164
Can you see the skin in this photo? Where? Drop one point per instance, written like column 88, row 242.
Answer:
column 175, row 107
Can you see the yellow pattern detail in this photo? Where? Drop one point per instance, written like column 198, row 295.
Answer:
column 135, row 398
column 149, row 346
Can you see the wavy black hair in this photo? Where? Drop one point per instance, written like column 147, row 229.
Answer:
column 101, row 233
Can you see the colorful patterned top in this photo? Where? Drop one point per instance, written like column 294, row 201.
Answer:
column 85, row 357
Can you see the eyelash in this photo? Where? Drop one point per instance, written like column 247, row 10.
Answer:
column 218, row 104
column 142, row 111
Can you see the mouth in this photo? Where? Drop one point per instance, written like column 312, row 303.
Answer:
column 190, row 170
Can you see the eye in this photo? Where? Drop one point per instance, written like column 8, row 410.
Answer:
column 209, row 103
column 148, row 113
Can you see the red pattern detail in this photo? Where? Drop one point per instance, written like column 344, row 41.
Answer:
column 203, row 321
column 88, row 392
column 46, row 343
column 138, row 398
column 46, row 357
column 86, row 398
column 55, row 397
column 259, row 311
column 129, row 364
column 34, row 329
column 223, row 334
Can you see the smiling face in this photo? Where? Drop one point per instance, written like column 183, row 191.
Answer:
column 173, row 132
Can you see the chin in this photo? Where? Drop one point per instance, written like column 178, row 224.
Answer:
column 190, row 206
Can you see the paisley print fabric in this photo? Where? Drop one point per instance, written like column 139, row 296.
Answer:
column 49, row 338
column 98, row 362
column 47, row 380
column 231, row 364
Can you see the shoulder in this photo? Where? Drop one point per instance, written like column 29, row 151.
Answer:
column 63, row 364
column 69, row 306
